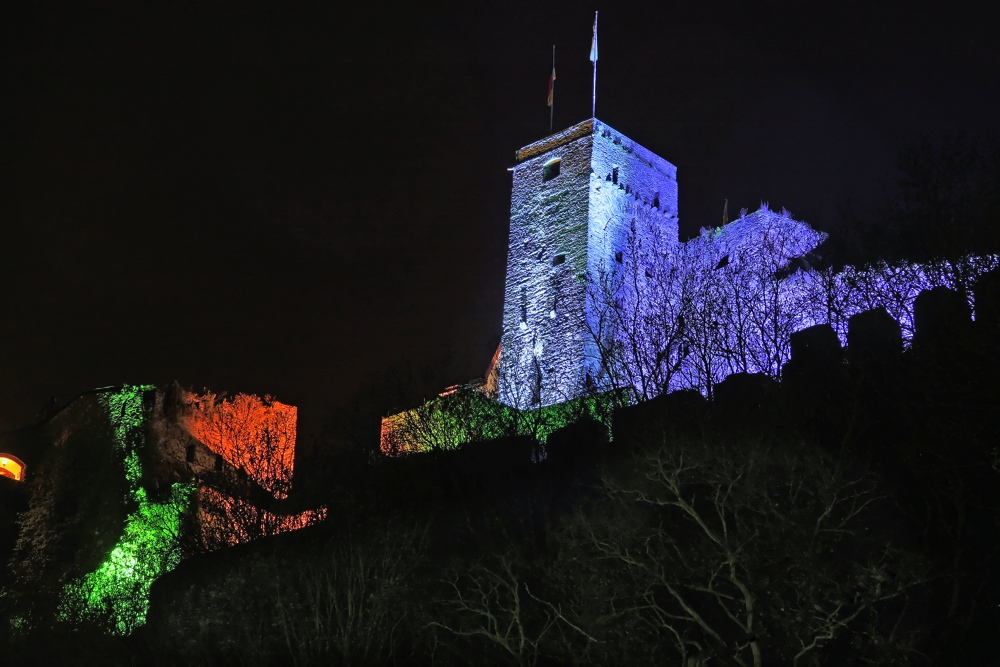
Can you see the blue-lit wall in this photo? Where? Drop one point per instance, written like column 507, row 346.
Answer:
column 600, row 294
column 563, row 229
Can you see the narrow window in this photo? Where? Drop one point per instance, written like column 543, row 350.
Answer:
column 614, row 175
column 559, row 259
column 190, row 453
column 618, row 256
column 218, row 463
column 524, row 305
column 551, row 169
column 656, row 200
column 536, row 390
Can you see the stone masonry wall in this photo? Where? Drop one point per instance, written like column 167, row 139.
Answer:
column 545, row 294
column 565, row 227
column 633, row 210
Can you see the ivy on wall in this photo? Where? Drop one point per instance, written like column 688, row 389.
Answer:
column 466, row 415
column 116, row 594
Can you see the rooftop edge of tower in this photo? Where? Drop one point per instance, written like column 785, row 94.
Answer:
column 594, row 126
column 558, row 139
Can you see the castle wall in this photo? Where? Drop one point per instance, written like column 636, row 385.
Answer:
column 564, row 228
column 632, row 218
column 545, row 295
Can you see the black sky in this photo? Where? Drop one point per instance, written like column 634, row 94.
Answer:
column 288, row 198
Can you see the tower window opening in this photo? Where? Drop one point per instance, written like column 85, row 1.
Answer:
column 189, row 455
column 551, row 169
column 618, row 256
column 656, row 200
column 614, row 175
column 559, row 259
column 536, row 389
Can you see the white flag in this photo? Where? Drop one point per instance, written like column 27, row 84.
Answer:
column 593, row 42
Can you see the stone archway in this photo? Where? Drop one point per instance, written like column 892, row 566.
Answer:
column 12, row 467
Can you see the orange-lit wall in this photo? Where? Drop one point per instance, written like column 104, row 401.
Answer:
column 228, row 521
column 398, row 434
column 257, row 435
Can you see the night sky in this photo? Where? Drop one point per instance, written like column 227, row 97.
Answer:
column 288, row 201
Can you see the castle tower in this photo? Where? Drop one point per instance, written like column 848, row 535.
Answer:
column 580, row 200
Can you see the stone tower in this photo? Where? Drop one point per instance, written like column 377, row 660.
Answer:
column 581, row 199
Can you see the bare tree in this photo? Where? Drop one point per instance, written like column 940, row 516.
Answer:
column 252, row 434
column 255, row 440
column 741, row 554
column 347, row 603
column 458, row 416
column 672, row 316
column 637, row 314
column 490, row 605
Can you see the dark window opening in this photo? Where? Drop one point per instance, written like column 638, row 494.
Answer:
column 524, row 304
column 551, row 169
column 558, row 259
column 618, row 256
column 536, row 389
column 218, row 463
column 190, row 453
column 656, row 200
column 614, row 175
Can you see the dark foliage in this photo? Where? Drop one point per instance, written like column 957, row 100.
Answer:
column 943, row 204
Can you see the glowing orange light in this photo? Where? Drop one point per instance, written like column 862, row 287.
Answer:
column 257, row 435
column 399, row 434
column 11, row 466
column 228, row 521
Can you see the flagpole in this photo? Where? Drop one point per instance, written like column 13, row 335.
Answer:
column 593, row 58
column 552, row 107
column 593, row 101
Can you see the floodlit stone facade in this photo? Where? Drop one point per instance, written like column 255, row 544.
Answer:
column 602, row 299
column 576, row 197
column 601, row 294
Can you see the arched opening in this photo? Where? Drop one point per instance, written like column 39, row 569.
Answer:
column 551, row 169
column 11, row 466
